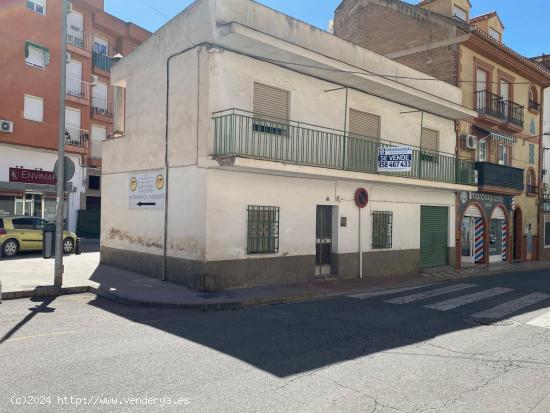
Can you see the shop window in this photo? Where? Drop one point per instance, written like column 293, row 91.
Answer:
column 263, row 229
column 382, row 229
column 547, row 234
column 7, row 205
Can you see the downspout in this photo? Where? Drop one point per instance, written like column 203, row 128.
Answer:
column 540, row 210
column 167, row 161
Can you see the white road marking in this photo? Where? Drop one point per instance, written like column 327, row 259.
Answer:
column 542, row 321
column 387, row 292
column 504, row 309
column 431, row 293
column 467, row 299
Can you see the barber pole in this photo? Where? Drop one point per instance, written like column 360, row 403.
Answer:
column 504, row 240
column 479, row 250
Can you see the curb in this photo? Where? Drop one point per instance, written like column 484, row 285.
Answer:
column 46, row 291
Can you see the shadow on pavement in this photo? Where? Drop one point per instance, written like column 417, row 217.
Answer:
column 43, row 307
column 289, row 339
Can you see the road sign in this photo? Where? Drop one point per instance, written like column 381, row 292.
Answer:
column 146, row 190
column 68, row 164
column 395, row 159
column 361, row 197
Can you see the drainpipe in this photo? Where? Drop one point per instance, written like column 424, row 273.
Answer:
column 167, row 161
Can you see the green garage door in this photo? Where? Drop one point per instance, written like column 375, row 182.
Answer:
column 434, row 235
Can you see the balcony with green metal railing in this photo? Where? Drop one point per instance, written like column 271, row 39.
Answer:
column 239, row 133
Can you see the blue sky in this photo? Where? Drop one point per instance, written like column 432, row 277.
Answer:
column 525, row 21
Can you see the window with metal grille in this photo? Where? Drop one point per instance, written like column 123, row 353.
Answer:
column 429, row 144
column 382, row 229
column 271, row 108
column 263, row 230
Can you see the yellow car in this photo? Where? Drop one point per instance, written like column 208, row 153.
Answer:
column 23, row 233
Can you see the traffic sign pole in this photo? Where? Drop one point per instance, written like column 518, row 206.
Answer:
column 60, row 173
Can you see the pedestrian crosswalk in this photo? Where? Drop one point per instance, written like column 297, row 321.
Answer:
column 459, row 296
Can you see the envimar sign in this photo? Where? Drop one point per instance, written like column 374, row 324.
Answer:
column 146, row 190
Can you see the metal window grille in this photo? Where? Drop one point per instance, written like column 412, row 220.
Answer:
column 382, row 229
column 263, row 230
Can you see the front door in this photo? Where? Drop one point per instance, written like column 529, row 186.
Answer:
column 518, row 223
column 495, row 241
column 323, row 243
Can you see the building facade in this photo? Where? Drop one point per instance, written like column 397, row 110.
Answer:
column 545, row 176
column 500, row 221
column 267, row 136
column 29, row 104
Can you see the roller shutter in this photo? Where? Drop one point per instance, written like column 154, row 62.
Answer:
column 434, row 236
column 363, row 124
column 430, row 140
column 271, row 102
column 472, row 211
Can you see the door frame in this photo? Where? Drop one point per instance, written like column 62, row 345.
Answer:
column 327, row 270
column 517, row 250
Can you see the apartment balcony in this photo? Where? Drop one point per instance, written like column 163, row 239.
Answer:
column 77, row 91
column 102, row 109
column 534, row 106
column 76, row 136
column 102, row 61
column 239, row 133
column 499, row 178
column 79, row 42
column 495, row 110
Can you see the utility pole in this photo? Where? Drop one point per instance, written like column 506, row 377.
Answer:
column 60, row 173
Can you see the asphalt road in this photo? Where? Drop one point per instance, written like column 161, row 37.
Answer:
column 480, row 345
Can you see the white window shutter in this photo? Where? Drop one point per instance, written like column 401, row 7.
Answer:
column 34, row 108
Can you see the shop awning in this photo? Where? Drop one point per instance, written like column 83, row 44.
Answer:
column 44, row 49
column 499, row 136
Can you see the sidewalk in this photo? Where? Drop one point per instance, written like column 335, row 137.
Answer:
column 84, row 274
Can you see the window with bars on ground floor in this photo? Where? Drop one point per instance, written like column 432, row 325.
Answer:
column 382, row 229
column 263, row 230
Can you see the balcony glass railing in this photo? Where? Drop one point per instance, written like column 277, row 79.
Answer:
column 76, row 136
column 500, row 176
column 102, row 61
column 240, row 133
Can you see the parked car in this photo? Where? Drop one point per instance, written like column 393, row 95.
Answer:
column 23, row 233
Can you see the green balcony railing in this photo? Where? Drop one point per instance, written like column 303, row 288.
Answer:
column 241, row 133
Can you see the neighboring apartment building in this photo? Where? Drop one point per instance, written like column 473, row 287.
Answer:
column 545, row 204
column 500, row 221
column 29, row 103
column 273, row 127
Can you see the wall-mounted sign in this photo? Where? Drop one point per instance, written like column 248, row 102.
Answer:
column 395, row 159
column 32, row 176
column 146, row 190
column 361, row 197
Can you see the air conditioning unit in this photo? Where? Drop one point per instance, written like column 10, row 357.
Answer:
column 6, row 126
column 95, row 80
column 469, row 141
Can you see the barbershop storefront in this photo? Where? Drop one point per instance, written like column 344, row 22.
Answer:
column 483, row 228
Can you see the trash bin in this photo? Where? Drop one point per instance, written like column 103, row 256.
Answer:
column 48, row 240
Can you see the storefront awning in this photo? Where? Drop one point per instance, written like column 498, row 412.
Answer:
column 499, row 136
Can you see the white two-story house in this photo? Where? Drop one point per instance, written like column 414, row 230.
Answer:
column 251, row 148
